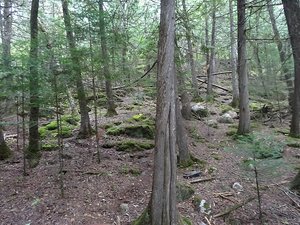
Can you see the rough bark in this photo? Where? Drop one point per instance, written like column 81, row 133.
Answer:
column 295, row 185
column 212, row 60
column 7, row 34
column 5, row 151
column 111, row 108
column 33, row 152
column 283, row 56
column 85, row 126
column 188, row 34
column 185, row 98
column 163, row 209
column 233, row 58
column 291, row 11
column 244, row 112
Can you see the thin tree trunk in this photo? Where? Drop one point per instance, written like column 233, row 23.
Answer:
column 291, row 11
column 111, row 108
column 163, row 200
column 188, row 33
column 212, row 60
column 244, row 112
column 5, row 151
column 33, row 152
column 85, row 127
column 233, row 58
column 283, row 56
column 7, row 34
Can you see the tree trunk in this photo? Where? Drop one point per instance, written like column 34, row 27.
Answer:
column 188, row 33
column 291, row 11
column 85, row 127
column 233, row 58
column 244, row 112
column 186, row 110
column 163, row 210
column 33, row 152
column 5, row 151
column 111, row 108
column 295, row 185
column 7, row 34
column 283, row 56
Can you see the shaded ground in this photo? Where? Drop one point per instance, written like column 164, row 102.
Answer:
column 112, row 193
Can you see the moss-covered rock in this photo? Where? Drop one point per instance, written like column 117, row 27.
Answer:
column 143, row 219
column 138, row 126
column 184, row 192
column 127, row 169
column 49, row 147
column 134, row 145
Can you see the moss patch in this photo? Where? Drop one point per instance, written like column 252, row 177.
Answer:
column 144, row 218
column 127, row 169
column 49, row 147
column 138, row 126
column 184, row 192
column 133, row 145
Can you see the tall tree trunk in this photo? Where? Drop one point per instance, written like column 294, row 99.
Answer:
column 291, row 11
column 188, row 33
column 33, row 152
column 125, row 41
column 212, row 60
column 6, row 25
column 283, row 56
column 85, row 126
column 111, row 108
column 7, row 34
column 233, row 58
column 163, row 200
column 244, row 112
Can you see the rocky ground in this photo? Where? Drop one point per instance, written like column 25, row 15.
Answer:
column 117, row 190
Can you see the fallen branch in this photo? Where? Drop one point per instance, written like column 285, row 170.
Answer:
column 288, row 194
column 202, row 180
column 214, row 85
column 235, row 207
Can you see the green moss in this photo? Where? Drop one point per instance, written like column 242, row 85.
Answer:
column 71, row 119
column 143, row 219
column 255, row 106
column 126, row 169
column 195, row 135
column 216, row 156
column 43, row 132
column 52, row 125
column 49, row 147
column 186, row 221
column 134, row 145
column 231, row 132
column 226, row 108
column 184, row 192
column 115, row 130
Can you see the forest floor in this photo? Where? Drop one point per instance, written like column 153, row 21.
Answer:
column 113, row 193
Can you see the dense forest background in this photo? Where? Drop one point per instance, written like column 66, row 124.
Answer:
column 87, row 86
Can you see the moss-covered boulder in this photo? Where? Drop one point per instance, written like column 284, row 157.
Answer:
column 68, row 124
column 138, row 126
column 184, row 192
column 134, row 145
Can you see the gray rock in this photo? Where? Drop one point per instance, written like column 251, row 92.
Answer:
column 200, row 110
column 233, row 114
column 225, row 118
column 237, row 187
column 124, row 208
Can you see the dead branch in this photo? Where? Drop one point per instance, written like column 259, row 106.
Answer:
column 235, row 207
column 202, row 180
column 214, row 85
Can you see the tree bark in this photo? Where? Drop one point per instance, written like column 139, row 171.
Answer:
column 33, row 152
column 244, row 112
column 5, row 151
column 283, row 56
column 233, row 58
column 188, row 34
column 7, row 34
column 212, row 60
column 111, row 108
column 291, row 11
column 163, row 209
column 85, row 126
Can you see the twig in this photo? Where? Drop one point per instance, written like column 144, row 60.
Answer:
column 207, row 220
column 287, row 194
column 235, row 207
column 202, row 180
